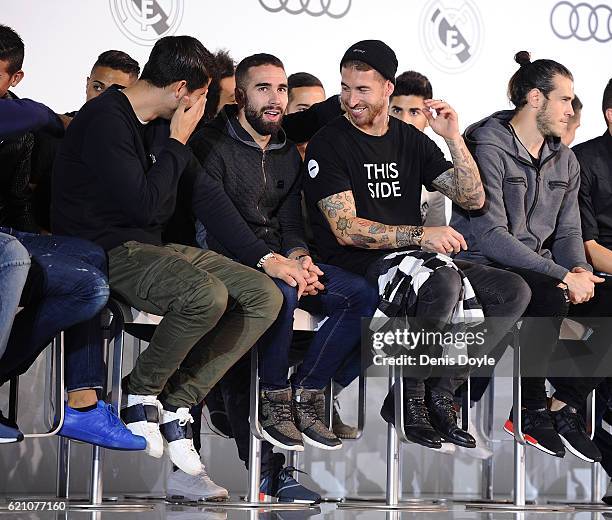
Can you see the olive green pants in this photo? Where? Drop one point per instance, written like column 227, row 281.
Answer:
column 214, row 310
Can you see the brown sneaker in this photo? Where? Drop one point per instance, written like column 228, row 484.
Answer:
column 276, row 419
column 342, row 431
column 306, row 403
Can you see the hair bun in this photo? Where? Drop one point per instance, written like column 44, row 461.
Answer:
column 522, row 58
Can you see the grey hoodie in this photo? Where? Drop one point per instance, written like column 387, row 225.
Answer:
column 531, row 218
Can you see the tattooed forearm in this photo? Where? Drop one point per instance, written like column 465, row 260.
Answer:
column 404, row 236
column 377, row 228
column 362, row 240
column 461, row 183
column 341, row 215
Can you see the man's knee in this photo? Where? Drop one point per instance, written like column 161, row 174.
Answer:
column 517, row 293
column 12, row 252
column 444, row 285
column 271, row 299
column 206, row 301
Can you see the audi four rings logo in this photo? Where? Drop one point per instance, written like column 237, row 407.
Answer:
column 582, row 21
column 145, row 21
column 332, row 8
column 451, row 33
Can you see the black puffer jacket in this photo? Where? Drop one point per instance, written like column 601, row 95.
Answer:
column 264, row 185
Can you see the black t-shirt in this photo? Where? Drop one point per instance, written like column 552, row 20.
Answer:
column 385, row 174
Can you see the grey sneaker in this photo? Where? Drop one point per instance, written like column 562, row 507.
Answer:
column 342, row 431
column 276, row 419
column 307, row 404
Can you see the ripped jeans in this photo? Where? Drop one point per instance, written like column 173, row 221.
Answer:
column 66, row 289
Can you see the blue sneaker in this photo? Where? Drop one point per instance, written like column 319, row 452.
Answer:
column 9, row 432
column 278, row 485
column 101, row 427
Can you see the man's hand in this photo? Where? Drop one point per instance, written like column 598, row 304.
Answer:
column 290, row 271
column 446, row 121
column 314, row 285
column 581, row 284
column 443, row 239
column 185, row 119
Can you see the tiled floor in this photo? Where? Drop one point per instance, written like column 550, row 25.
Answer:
column 328, row 511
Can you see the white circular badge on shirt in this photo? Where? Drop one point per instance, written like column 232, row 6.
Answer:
column 313, row 168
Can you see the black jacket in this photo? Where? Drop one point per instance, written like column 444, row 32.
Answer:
column 114, row 178
column 264, row 185
column 595, row 197
column 15, row 176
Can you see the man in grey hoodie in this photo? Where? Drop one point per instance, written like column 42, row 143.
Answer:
column 531, row 225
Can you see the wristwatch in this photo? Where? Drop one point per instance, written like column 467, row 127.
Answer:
column 416, row 235
column 263, row 259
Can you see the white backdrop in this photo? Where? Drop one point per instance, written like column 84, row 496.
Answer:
column 63, row 38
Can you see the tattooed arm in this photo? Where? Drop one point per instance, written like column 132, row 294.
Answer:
column 461, row 183
column 339, row 210
column 341, row 215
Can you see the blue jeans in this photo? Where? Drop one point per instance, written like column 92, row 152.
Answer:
column 14, row 266
column 66, row 289
column 347, row 298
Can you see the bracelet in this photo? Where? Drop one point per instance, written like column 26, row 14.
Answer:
column 263, row 259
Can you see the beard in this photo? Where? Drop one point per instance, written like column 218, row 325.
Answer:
column 256, row 119
column 545, row 123
column 370, row 113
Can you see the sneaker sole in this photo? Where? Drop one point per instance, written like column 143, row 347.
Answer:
column 509, row 429
column 196, row 498
column 312, row 442
column 574, row 451
column 273, row 441
column 10, row 440
column 270, row 499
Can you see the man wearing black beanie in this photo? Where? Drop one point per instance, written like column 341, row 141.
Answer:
column 363, row 187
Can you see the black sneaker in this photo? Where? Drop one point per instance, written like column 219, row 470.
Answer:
column 443, row 418
column 607, row 498
column 278, row 485
column 276, row 419
column 539, row 431
column 307, row 407
column 417, row 427
column 218, row 415
column 572, row 430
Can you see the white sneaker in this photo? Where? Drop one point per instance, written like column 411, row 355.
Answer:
column 175, row 427
column 181, row 486
column 481, row 451
column 142, row 415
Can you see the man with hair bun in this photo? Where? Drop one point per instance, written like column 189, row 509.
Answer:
column 531, row 226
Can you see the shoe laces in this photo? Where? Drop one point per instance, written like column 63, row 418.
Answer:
column 114, row 419
column 574, row 419
column 417, row 409
column 204, row 476
column 286, row 473
column 308, row 410
column 538, row 418
column 281, row 411
column 184, row 416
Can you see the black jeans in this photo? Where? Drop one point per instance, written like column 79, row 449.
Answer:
column 540, row 346
column 502, row 295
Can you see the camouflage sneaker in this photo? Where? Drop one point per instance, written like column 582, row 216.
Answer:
column 306, row 404
column 276, row 419
column 342, row 431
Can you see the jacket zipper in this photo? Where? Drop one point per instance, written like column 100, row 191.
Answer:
column 263, row 171
column 535, row 201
